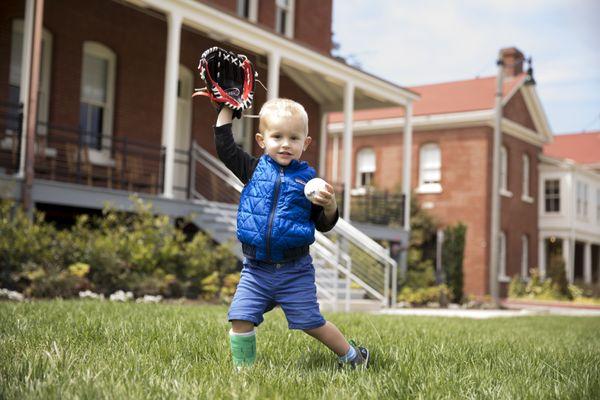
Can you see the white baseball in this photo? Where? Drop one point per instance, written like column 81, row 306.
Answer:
column 312, row 187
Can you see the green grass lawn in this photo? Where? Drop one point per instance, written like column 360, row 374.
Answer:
column 86, row 349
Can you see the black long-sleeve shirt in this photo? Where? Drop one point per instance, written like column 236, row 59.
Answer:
column 243, row 164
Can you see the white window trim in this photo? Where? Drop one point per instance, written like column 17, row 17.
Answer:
column 289, row 26
column 526, row 177
column 583, row 212
column 502, row 277
column 99, row 50
column 560, row 200
column 524, row 256
column 360, row 168
column 252, row 10
column 504, row 172
column 45, row 69
column 432, row 187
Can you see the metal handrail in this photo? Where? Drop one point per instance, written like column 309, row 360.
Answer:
column 322, row 243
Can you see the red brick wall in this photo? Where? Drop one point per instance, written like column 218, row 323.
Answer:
column 516, row 110
column 517, row 216
column 312, row 19
column 139, row 41
column 466, row 189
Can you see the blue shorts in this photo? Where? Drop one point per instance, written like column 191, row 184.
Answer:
column 291, row 285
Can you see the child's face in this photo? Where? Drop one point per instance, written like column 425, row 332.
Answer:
column 284, row 139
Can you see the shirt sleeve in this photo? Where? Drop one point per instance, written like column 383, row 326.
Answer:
column 322, row 223
column 235, row 159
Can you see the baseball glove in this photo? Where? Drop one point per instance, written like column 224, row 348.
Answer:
column 229, row 79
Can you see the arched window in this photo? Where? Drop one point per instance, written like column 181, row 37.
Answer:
column 504, row 169
column 365, row 167
column 524, row 256
column 430, row 168
column 97, row 95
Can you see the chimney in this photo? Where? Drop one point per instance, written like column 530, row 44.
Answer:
column 513, row 61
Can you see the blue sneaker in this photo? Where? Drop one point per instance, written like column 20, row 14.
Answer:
column 362, row 359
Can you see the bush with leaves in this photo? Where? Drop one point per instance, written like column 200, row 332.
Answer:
column 453, row 251
column 137, row 251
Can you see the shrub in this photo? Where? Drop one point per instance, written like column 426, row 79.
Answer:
column 422, row 296
column 453, row 251
column 138, row 252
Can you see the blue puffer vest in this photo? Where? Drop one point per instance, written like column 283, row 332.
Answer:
column 273, row 221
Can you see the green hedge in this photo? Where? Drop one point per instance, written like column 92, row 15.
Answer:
column 453, row 251
column 138, row 252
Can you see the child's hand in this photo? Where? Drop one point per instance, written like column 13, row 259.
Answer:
column 326, row 199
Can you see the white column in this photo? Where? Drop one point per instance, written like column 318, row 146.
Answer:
column 323, row 146
column 273, row 75
column 542, row 256
column 587, row 262
column 25, row 72
column 407, row 163
column 170, row 100
column 335, row 158
column 348, row 156
column 566, row 251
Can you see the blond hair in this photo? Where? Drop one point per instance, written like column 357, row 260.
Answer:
column 282, row 108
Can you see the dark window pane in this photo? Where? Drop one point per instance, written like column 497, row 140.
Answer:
column 90, row 124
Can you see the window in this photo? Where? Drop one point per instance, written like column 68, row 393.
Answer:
column 248, row 9
column 524, row 256
column 503, row 170
column 582, row 199
column 525, row 177
column 502, row 255
column 97, row 94
column 16, row 66
column 365, row 168
column 552, row 195
column 284, row 17
column 430, row 168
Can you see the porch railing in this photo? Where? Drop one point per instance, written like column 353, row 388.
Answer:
column 68, row 154
column 369, row 205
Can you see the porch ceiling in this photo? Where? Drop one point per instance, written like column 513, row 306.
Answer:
column 321, row 76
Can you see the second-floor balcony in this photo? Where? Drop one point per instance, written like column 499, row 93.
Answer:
column 370, row 205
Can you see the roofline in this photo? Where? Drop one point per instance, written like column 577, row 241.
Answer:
column 255, row 38
column 481, row 118
column 567, row 163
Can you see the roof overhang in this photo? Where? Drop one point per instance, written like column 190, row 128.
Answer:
column 483, row 118
column 322, row 76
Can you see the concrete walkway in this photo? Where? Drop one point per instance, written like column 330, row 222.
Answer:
column 485, row 314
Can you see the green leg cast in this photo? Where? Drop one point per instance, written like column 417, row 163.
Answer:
column 243, row 348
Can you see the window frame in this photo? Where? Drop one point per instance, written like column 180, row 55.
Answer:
column 503, row 181
column 289, row 17
column 99, row 50
column 581, row 199
column 526, row 196
column 252, row 9
column 17, row 26
column 524, row 256
column 434, row 186
column 502, row 239
column 557, row 196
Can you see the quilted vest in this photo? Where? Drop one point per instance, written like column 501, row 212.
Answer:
column 273, row 221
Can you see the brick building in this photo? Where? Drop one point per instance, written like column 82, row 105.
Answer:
column 569, row 213
column 452, row 162
column 115, row 113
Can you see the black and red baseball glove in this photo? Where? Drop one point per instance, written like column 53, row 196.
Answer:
column 229, row 79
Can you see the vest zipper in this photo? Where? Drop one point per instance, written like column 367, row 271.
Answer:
column 273, row 208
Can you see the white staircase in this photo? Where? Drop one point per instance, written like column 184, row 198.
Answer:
column 352, row 271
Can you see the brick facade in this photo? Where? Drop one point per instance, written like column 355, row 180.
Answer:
column 139, row 42
column 466, row 190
